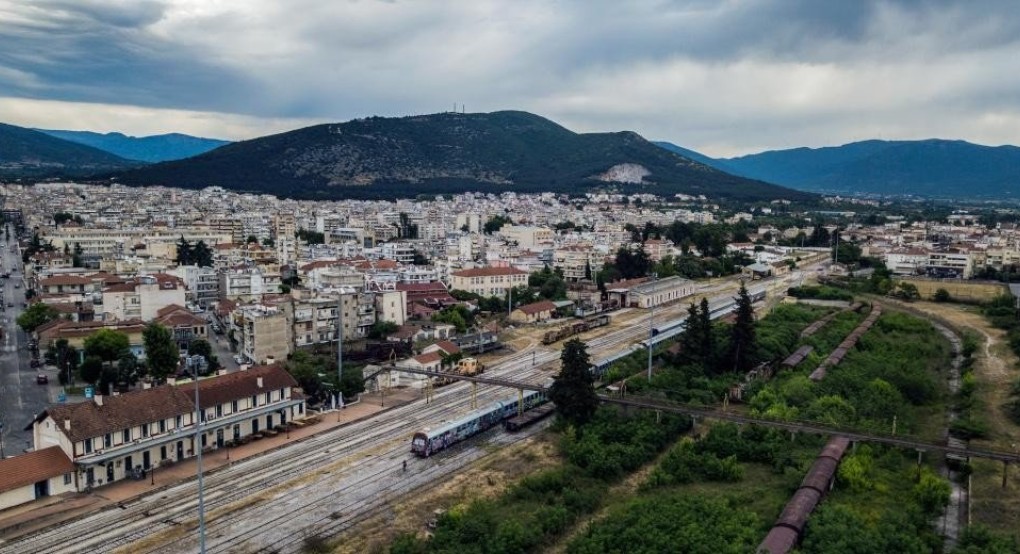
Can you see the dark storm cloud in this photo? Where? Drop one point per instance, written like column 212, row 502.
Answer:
column 699, row 68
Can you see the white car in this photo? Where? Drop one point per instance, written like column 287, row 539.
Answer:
column 238, row 359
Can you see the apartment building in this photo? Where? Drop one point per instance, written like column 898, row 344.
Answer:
column 265, row 333
column 488, row 281
column 248, row 283
column 111, row 438
column 576, row 260
column 202, row 284
column 143, row 297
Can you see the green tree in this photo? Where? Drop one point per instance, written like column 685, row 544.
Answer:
column 91, row 369
column 252, row 239
column 202, row 347
column 76, row 257
column 573, row 390
column 161, row 350
column 941, row 295
column 743, row 346
column 36, row 315
column 693, row 338
column 632, row 262
column 185, row 252
column 495, row 223
column 106, row 344
column 382, row 329
column 268, row 242
column 127, row 368
column 419, row 259
column 202, row 255
column 932, row 492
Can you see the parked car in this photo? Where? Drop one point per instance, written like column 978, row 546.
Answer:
column 42, row 379
column 238, row 359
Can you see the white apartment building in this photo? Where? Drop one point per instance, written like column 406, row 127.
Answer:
column 488, row 281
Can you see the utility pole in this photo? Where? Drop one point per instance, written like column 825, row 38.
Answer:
column 198, row 447
column 651, row 324
column 509, row 301
column 340, row 350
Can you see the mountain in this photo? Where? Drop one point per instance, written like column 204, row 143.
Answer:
column 442, row 153
column 31, row 154
column 692, row 155
column 948, row 168
column 155, row 148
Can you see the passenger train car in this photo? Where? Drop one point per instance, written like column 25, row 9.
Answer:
column 428, row 442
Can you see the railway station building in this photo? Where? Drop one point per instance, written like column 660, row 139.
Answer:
column 656, row 293
column 109, row 438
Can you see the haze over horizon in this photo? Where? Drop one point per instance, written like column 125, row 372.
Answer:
column 724, row 79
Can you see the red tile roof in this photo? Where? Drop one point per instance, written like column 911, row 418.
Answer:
column 60, row 280
column 538, row 307
column 430, row 358
column 243, row 384
column 448, row 347
column 488, row 272
column 28, row 469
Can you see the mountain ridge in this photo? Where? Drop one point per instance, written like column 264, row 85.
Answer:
column 151, row 148
column 928, row 167
column 446, row 152
column 25, row 153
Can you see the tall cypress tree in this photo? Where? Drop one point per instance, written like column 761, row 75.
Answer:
column 742, row 337
column 707, row 346
column 573, row 390
column 691, row 342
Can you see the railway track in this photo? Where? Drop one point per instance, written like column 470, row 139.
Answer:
column 323, row 484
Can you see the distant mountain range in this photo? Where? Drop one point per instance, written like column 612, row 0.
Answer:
column 933, row 168
column 155, row 148
column 25, row 153
column 381, row 157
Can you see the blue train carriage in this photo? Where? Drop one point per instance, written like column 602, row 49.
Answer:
column 427, row 442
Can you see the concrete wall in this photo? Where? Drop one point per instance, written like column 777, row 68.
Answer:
column 17, row 496
column 959, row 290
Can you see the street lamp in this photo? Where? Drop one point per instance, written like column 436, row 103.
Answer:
column 651, row 323
column 198, row 447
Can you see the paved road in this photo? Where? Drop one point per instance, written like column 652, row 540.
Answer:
column 20, row 397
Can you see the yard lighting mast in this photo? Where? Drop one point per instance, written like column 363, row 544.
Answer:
column 340, row 351
column 198, row 447
column 651, row 324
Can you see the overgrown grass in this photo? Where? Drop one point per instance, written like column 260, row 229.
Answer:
column 538, row 509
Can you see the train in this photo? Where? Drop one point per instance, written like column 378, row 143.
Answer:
column 789, row 528
column 429, row 441
column 671, row 329
column 575, row 328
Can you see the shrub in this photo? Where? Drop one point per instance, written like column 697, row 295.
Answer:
column 941, row 295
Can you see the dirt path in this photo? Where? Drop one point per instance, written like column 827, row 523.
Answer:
column 995, row 367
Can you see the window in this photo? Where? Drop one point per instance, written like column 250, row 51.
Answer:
column 88, row 446
column 145, row 430
column 267, row 399
column 108, row 441
column 254, row 401
column 233, row 407
column 179, row 422
column 127, row 435
column 219, row 410
column 67, row 478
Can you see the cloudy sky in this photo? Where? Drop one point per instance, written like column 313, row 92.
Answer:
column 724, row 77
